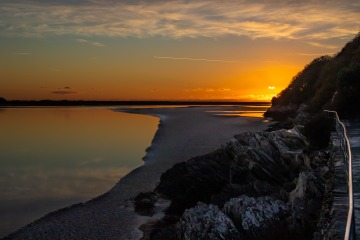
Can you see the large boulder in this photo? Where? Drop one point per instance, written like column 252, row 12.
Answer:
column 283, row 149
column 279, row 112
column 196, row 180
column 206, row 222
column 282, row 143
column 260, row 218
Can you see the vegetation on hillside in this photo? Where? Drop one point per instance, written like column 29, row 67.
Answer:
column 317, row 131
column 328, row 82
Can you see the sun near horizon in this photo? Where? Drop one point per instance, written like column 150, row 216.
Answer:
column 173, row 50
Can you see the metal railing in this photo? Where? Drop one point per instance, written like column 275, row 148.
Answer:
column 345, row 148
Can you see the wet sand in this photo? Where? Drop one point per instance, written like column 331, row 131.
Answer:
column 182, row 134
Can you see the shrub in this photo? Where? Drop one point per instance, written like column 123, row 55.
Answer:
column 318, row 131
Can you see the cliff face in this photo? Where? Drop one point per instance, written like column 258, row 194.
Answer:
column 328, row 82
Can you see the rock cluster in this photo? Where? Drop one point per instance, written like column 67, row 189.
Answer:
column 206, row 222
column 257, row 216
column 259, row 185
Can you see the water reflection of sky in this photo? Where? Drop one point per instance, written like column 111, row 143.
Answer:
column 53, row 157
column 243, row 111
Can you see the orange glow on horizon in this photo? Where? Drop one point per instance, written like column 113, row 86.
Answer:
column 253, row 84
column 114, row 78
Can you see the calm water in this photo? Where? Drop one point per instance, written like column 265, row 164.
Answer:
column 54, row 157
column 244, row 111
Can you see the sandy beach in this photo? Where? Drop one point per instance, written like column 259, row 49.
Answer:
column 182, row 134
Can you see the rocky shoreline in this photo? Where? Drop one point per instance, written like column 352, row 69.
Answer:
column 259, row 185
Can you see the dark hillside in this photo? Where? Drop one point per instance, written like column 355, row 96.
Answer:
column 327, row 83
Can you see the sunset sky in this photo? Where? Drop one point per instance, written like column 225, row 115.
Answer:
column 164, row 50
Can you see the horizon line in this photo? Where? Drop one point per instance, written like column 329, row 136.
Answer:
column 139, row 100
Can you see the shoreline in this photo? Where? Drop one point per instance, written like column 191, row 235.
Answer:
column 111, row 215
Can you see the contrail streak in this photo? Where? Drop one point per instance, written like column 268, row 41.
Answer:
column 206, row 60
column 22, row 53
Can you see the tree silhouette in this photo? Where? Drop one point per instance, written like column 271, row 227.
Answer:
column 2, row 100
column 328, row 82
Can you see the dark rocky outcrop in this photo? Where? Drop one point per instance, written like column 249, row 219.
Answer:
column 267, row 180
column 250, row 158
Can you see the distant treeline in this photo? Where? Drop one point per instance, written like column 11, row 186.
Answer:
column 328, row 82
column 15, row 103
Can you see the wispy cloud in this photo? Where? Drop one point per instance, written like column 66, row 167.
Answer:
column 310, row 20
column 63, row 92
column 97, row 44
column 93, row 161
column 200, row 90
column 323, row 45
column 207, row 90
column 224, row 89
